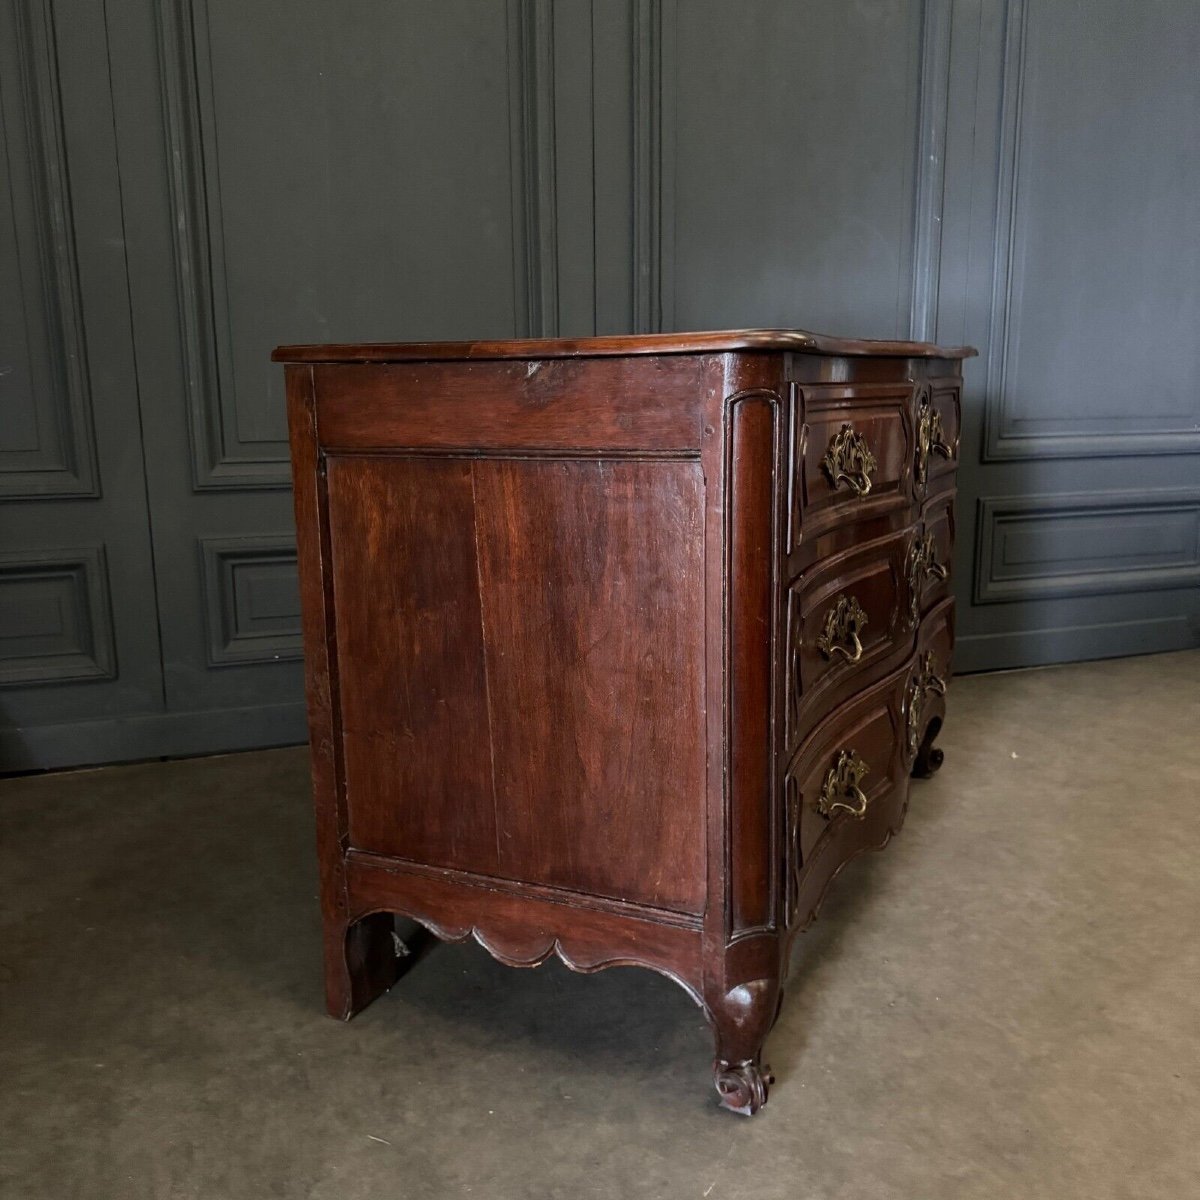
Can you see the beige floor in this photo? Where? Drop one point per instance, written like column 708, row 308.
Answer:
column 1004, row 1004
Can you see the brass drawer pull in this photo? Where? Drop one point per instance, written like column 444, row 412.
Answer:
column 843, row 622
column 937, row 443
column 849, row 460
column 841, row 792
column 925, row 682
column 922, row 563
column 931, row 437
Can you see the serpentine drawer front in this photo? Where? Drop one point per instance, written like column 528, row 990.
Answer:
column 618, row 648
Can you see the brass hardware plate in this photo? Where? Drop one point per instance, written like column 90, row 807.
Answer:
column 840, row 633
column 849, row 460
column 841, row 791
column 925, row 682
column 931, row 437
column 922, row 563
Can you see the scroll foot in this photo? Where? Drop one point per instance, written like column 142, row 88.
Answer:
column 742, row 1087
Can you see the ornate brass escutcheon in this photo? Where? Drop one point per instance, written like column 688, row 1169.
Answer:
column 922, row 563
column 840, row 792
column 849, row 460
column 931, row 438
column 925, row 682
column 840, row 632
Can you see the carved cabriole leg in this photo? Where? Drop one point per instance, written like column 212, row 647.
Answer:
column 929, row 758
column 742, row 1018
column 742, row 1014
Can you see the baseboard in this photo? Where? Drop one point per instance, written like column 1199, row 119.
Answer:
column 1077, row 643
column 154, row 735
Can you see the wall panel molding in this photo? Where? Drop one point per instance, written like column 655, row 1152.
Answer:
column 1086, row 544
column 1004, row 439
column 55, row 622
column 252, row 600
column 62, row 460
column 650, row 164
column 221, row 458
column 932, row 122
column 532, row 137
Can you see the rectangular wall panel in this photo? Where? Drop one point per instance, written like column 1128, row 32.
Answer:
column 54, row 617
column 1039, row 547
column 253, row 596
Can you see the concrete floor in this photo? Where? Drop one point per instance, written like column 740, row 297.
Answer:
column 1004, row 1004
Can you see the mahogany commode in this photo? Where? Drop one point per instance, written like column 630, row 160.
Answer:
column 618, row 648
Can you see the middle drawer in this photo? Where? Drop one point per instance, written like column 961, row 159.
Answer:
column 848, row 620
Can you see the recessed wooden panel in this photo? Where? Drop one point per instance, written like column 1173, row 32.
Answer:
column 871, row 577
column 593, row 605
column 879, row 414
column 1087, row 544
column 807, row 205
column 46, row 438
column 54, row 617
column 409, row 660
column 869, row 727
column 1097, row 254
column 253, row 599
column 938, row 526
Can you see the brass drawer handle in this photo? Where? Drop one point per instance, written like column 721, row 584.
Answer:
column 841, row 792
column 931, row 437
column 849, row 460
column 937, row 443
column 842, row 625
column 925, row 682
column 922, row 562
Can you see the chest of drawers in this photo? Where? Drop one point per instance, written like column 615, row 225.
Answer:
column 618, row 649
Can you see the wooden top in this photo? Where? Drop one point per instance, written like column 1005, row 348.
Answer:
column 796, row 340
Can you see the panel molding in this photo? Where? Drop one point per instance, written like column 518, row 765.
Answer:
column 1126, row 548
column 82, row 647
column 653, row 52
column 932, row 127
column 228, row 568
column 649, row 165
column 221, row 459
column 1003, row 440
column 1073, row 643
column 71, row 468
column 532, row 140
column 151, row 735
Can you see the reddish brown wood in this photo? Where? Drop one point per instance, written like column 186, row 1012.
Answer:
column 712, row 342
column 564, row 609
column 590, row 574
column 411, row 660
column 647, row 404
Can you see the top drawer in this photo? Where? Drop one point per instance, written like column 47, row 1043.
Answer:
column 852, row 458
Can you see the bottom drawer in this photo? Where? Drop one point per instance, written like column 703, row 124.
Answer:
column 847, row 787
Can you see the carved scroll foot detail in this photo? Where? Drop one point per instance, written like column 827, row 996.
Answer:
column 742, row 1087
column 742, row 1018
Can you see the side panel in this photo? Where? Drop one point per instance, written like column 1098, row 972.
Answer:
column 520, row 652
column 414, row 720
column 593, row 606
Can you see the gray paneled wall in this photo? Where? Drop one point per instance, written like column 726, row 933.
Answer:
column 192, row 181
